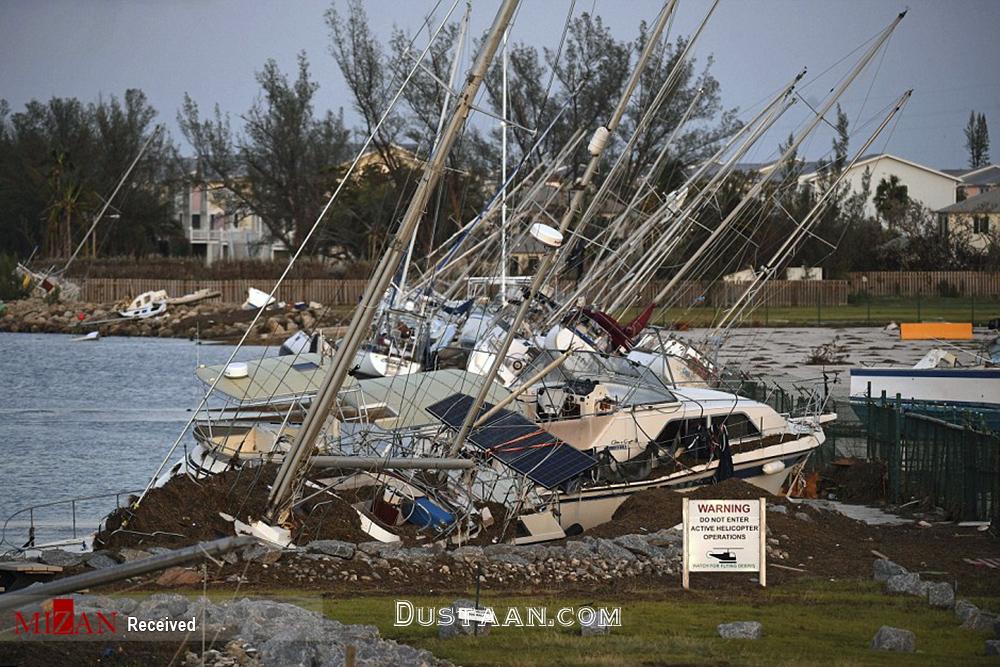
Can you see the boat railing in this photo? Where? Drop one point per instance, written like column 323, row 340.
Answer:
column 70, row 505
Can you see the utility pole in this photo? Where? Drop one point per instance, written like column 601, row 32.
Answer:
column 279, row 501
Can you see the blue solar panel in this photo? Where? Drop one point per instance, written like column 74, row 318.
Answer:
column 516, row 442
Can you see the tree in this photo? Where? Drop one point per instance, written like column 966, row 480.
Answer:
column 891, row 200
column 283, row 163
column 977, row 140
column 61, row 158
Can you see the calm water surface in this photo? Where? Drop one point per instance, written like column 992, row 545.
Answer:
column 89, row 418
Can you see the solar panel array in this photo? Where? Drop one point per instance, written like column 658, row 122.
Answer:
column 516, row 442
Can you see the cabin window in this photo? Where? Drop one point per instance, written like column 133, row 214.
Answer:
column 738, row 425
column 680, row 433
column 981, row 224
column 196, row 221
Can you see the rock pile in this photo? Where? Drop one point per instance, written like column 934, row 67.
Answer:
column 263, row 632
column 209, row 320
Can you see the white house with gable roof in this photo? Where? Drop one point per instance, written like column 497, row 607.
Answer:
column 933, row 188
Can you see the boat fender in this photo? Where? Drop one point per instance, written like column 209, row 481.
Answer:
column 598, row 141
column 773, row 467
column 236, row 370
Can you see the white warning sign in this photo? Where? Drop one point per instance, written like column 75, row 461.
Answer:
column 724, row 535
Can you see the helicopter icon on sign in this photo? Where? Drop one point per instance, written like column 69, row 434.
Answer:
column 723, row 556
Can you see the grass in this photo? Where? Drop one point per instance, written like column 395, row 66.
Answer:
column 879, row 312
column 807, row 622
column 810, row 623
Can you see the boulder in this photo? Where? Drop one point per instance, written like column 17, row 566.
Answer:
column 802, row 516
column 908, row 584
column 470, row 554
column 60, row 557
column 610, row 551
column 740, row 630
column 593, row 625
column 457, row 627
column 637, row 544
column 337, row 548
column 894, row 639
column 980, row 621
column 883, row 569
column 128, row 554
column 100, row 560
column 162, row 605
column 940, row 595
column 964, row 609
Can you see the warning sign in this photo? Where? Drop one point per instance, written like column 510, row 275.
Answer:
column 724, row 536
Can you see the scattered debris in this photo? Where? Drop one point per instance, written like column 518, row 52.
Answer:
column 828, row 354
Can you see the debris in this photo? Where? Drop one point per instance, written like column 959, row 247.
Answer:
column 178, row 576
column 894, row 639
column 828, row 354
column 337, row 548
column 740, row 630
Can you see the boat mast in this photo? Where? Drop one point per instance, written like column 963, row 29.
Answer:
column 789, row 152
column 359, row 328
column 401, row 292
column 503, row 174
column 107, row 202
column 597, row 145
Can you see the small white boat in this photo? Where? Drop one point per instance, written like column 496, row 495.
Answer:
column 93, row 335
column 146, row 305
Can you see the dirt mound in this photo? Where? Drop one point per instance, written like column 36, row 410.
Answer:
column 656, row 509
column 185, row 511
column 855, row 480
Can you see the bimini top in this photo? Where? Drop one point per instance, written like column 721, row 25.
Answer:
column 271, row 379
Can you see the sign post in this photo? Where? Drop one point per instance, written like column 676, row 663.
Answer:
column 725, row 536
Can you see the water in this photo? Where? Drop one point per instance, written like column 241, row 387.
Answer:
column 89, row 418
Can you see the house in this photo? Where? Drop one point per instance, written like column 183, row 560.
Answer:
column 975, row 181
column 216, row 233
column 976, row 218
column 925, row 185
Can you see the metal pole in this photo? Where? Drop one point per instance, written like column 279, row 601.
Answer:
column 391, row 463
column 40, row 592
column 567, row 219
column 364, row 314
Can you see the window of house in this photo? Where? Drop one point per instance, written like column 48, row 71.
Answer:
column 981, row 224
column 943, row 224
column 738, row 425
column 196, row 221
column 211, row 221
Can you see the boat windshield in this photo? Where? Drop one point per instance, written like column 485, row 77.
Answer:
column 627, row 382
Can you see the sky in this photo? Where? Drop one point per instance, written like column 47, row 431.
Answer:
column 946, row 50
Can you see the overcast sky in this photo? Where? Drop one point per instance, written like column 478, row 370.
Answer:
column 948, row 51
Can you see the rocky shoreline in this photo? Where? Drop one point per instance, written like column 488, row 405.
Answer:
column 204, row 321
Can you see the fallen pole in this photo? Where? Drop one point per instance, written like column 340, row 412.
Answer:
column 32, row 594
column 391, row 462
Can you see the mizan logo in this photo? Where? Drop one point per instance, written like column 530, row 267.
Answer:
column 61, row 619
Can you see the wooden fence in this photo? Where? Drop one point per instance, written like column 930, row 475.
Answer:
column 777, row 293
column 925, row 283
column 325, row 291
